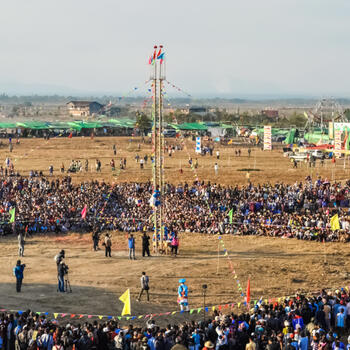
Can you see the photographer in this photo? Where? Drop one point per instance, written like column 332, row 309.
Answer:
column 18, row 273
column 59, row 257
column 62, row 271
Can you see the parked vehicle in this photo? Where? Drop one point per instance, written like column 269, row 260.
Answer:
column 299, row 157
column 169, row 133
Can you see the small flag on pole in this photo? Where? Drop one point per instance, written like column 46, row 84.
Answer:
column 248, row 292
column 13, row 214
column 83, row 212
column 70, row 135
column 125, row 298
column 230, row 213
column 335, row 222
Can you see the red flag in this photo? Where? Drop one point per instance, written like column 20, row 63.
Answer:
column 159, row 52
column 155, row 53
column 83, row 212
column 70, row 135
column 248, row 292
column 150, row 60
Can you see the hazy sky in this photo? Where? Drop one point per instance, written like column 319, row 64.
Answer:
column 223, row 47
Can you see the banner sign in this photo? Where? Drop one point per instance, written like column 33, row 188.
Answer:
column 267, row 138
column 198, row 145
column 337, row 142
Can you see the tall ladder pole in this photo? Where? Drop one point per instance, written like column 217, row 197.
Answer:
column 161, row 153
column 155, row 143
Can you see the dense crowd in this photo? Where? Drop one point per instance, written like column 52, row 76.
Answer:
column 320, row 322
column 301, row 210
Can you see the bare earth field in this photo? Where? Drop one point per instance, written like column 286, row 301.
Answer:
column 39, row 154
column 276, row 267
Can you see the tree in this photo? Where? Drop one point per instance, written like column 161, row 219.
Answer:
column 298, row 120
column 143, row 122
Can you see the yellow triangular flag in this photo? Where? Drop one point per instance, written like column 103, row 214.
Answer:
column 100, row 317
column 55, row 315
column 335, row 223
column 125, row 298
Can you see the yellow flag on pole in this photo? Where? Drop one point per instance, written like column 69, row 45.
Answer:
column 335, row 222
column 125, row 298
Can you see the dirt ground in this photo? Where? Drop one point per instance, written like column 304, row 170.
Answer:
column 276, row 267
column 39, row 154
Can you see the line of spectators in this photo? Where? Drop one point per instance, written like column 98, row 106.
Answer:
column 301, row 210
column 320, row 322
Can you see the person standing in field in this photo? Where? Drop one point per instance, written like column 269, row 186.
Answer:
column 174, row 245
column 144, row 286
column 131, row 245
column 114, row 149
column 20, row 244
column 145, row 244
column 108, row 246
column 18, row 273
column 216, row 168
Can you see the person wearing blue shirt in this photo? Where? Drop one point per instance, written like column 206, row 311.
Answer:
column 131, row 244
column 18, row 273
column 303, row 341
column 196, row 339
column 340, row 320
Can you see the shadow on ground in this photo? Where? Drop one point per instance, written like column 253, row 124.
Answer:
column 83, row 300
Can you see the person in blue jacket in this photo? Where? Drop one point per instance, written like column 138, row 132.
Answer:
column 131, row 245
column 18, row 273
column 182, row 295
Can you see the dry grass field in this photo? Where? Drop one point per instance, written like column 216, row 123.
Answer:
column 276, row 267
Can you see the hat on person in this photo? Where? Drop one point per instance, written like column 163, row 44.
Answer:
column 178, row 347
column 182, row 280
column 209, row 345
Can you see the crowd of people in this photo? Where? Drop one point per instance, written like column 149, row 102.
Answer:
column 302, row 210
column 318, row 322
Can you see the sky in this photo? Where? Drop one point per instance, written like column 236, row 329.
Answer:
column 227, row 48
